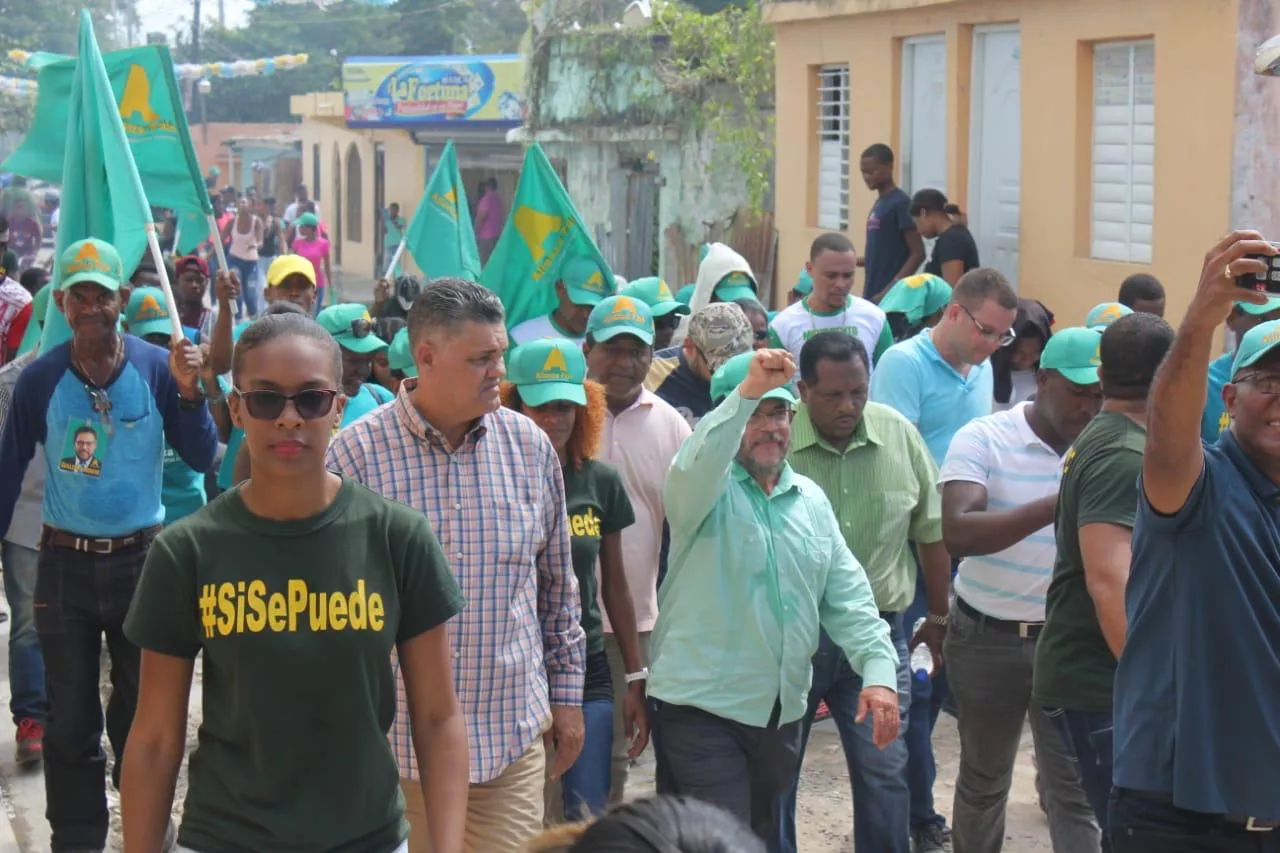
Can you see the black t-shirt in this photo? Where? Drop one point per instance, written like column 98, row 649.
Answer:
column 887, row 248
column 598, row 506
column 297, row 621
column 954, row 244
column 1075, row 667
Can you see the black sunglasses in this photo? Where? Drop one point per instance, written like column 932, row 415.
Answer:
column 268, row 405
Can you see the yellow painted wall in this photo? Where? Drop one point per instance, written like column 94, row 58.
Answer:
column 322, row 124
column 1194, row 113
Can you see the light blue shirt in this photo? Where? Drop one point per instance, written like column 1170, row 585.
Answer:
column 114, row 488
column 368, row 398
column 913, row 378
column 752, row 579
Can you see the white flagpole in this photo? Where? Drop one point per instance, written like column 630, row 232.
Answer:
column 395, row 259
column 154, row 243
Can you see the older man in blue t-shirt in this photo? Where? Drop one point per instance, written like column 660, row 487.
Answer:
column 102, row 406
column 1197, row 736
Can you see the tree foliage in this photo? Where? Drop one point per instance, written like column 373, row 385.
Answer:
column 332, row 33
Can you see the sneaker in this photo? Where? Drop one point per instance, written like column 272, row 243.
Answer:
column 30, row 742
column 932, row 838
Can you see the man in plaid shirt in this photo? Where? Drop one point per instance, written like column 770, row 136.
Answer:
column 489, row 482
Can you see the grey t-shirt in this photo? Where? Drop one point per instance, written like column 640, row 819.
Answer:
column 28, row 517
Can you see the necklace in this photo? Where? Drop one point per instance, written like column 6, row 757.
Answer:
column 115, row 361
column 813, row 322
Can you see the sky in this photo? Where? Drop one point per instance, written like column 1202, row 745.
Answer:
column 158, row 15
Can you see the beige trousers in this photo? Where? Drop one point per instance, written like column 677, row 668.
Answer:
column 503, row 814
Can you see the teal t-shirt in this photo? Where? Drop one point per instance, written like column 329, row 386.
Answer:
column 1215, row 418
column 181, row 487
column 370, row 397
column 226, row 472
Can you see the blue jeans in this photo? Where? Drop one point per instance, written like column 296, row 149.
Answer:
column 248, row 272
column 881, row 802
column 1147, row 822
column 927, row 698
column 26, row 664
column 1088, row 738
column 586, row 783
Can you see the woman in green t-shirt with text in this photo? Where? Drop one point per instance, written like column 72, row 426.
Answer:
column 548, row 384
column 297, row 586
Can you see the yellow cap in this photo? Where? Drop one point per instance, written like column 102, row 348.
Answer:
column 287, row 265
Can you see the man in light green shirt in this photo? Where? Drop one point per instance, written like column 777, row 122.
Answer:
column 757, row 568
column 881, row 479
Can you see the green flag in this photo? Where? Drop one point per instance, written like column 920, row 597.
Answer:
column 543, row 233
column 440, row 236
column 193, row 229
column 102, row 194
column 144, row 92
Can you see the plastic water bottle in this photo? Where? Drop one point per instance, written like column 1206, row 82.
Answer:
column 921, row 657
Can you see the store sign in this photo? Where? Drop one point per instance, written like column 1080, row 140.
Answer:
column 429, row 91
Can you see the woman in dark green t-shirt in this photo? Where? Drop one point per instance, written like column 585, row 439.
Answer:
column 548, row 384
column 296, row 587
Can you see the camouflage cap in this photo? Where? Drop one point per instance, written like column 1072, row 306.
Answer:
column 720, row 331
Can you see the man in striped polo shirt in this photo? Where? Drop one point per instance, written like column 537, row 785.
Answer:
column 999, row 489
column 830, row 307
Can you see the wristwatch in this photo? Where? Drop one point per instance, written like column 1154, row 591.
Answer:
column 191, row 404
column 934, row 619
column 642, row 675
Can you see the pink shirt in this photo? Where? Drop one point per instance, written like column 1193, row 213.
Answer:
column 489, row 217
column 315, row 251
column 641, row 443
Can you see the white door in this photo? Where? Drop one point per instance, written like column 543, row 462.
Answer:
column 924, row 114
column 995, row 147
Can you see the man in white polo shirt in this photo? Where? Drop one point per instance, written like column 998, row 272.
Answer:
column 999, row 488
column 831, row 307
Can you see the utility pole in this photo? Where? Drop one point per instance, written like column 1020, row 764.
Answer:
column 222, row 14
column 195, row 57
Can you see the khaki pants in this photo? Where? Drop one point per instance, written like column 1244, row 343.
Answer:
column 618, row 670
column 503, row 814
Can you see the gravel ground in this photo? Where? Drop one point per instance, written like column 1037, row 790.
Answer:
column 824, row 816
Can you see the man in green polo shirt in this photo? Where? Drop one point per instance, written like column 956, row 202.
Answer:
column 881, row 480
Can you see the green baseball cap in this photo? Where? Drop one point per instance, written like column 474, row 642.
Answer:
column 307, row 219
column 1106, row 313
column 917, row 297
column 735, row 286
column 731, row 374
column 653, row 291
column 685, row 294
column 621, row 315
column 1259, row 308
column 584, row 281
column 547, row 370
column 238, row 330
column 352, row 327
column 1076, row 353
column 804, row 285
column 147, row 313
column 93, row 261
column 400, row 354
column 1255, row 344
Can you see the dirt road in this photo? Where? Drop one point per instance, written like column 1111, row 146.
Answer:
column 824, row 819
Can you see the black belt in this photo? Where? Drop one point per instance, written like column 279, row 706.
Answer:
column 100, row 545
column 1025, row 630
column 1249, row 824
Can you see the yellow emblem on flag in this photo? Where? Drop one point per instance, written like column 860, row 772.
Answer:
column 448, row 203
column 135, row 105
column 534, row 227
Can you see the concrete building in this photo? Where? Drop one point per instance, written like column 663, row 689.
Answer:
column 1086, row 140
column 377, row 141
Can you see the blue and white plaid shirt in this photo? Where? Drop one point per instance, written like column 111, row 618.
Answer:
column 496, row 503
